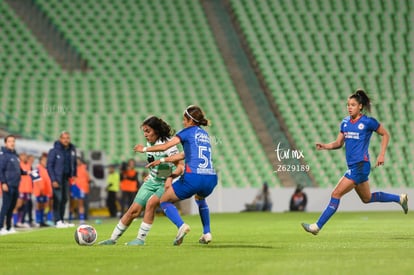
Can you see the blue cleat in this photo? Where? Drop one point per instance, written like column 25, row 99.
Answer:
column 107, row 242
column 136, row 242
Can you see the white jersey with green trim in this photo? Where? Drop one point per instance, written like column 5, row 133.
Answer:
column 162, row 171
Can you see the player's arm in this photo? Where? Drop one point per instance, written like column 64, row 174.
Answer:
column 338, row 143
column 158, row 148
column 179, row 170
column 173, row 158
column 384, row 143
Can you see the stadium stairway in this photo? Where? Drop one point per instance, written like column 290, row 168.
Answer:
column 48, row 35
column 257, row 106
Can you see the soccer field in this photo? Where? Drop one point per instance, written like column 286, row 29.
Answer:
column 245, row 243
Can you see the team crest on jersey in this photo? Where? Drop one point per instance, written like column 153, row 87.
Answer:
column 361, row 126
column 201, row 137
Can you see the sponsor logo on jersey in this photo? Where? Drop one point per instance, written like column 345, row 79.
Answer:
column 352, row 135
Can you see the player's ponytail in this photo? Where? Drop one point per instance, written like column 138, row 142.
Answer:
column 196, row 114
column 363, row 99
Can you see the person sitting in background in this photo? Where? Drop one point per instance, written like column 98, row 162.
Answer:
column 298, row 200
column 262, row 201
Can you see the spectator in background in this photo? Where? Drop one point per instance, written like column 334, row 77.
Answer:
column 112, row 188
column 129, row 185
column 10, row 174
column 298, row 200
column 61, row 166
column 262, row 201
column 79, row 191
column 41, row 189
column 24, row 202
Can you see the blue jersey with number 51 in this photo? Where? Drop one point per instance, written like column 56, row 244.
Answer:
column 197, row 150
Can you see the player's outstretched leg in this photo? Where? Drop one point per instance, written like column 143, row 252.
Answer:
column 119, row 229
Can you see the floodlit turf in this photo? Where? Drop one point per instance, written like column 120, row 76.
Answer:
column 245, row 243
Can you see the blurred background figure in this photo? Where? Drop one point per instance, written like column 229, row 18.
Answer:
column 298, row 200
column 112, row 188
column 262, row 201
column 129, row 184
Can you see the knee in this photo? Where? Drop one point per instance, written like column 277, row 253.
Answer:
column 366, row 199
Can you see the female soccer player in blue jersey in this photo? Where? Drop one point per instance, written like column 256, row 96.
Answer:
column 156, row 131
column 355, row 132
column 199, row 178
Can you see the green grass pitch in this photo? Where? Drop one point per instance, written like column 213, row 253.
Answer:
column 243, row 243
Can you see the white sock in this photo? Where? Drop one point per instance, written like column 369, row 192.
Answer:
column 119, row 229
column 143, row 231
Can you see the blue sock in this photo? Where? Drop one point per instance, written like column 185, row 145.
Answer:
column 172, row 213
column 42, row 215
column 204, row 212
column 50, row 215
column 82, row 216
column 15, row 218
column 384, row 197
column 38, row 216
column 329, row 211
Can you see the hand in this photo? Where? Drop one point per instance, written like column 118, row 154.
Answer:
column 380, row 161
column 55, row 184
column 152, row 164
column 5, row 187
column 320, row 146
column 139, row 148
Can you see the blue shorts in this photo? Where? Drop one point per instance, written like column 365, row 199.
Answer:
column 42, row 199
column 358, row 172
column 25, row 196
column 194, row 184
column 76, row 193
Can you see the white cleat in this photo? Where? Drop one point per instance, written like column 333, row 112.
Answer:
column 61, row 224
column 205, row 238
column 311, row 228
column 182, row 231
column 404, row 202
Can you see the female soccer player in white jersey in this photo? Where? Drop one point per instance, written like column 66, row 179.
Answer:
column 199, row 178
column 355, row 132
column 156, row 131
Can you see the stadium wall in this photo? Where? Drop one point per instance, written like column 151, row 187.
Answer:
column 234, row 199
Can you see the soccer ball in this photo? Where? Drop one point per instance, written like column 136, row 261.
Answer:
column 85, row 235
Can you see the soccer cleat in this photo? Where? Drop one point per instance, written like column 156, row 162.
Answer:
column 136, row 242
column 3, row 232
column 12, row 231
column 311, row 228
column 205, row 238
column 107, row 242
column 404, row 202
column 22, row 225
column 69, row 224
column 60, row 224
column 182, row 231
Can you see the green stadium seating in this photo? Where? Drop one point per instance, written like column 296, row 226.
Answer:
column 145, row 57
column 313, row 54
